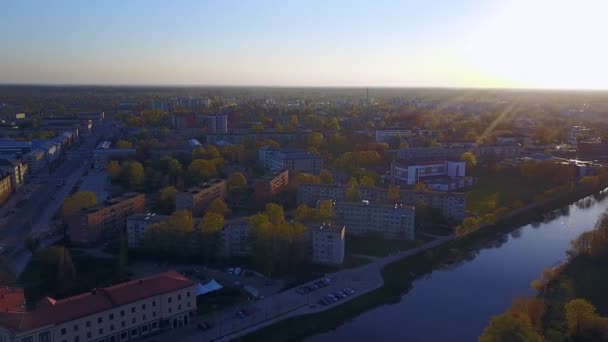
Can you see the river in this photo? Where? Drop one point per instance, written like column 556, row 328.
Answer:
column 456, row 303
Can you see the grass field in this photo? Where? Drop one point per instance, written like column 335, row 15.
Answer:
column 497, row 190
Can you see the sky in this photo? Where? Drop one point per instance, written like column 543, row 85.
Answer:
column 374, row 43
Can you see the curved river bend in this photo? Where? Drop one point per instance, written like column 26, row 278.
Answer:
column 456, row 303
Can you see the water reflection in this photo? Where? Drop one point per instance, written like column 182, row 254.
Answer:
column 475, row 282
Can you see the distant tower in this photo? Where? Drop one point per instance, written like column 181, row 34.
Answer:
column 367, row 95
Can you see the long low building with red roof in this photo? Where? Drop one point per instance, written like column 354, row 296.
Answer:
column 121, row 312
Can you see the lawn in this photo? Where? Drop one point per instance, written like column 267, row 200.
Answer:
column 377, row 246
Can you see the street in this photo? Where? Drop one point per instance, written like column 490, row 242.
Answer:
column 44, row 201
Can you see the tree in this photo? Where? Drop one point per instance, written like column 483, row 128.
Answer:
column 135, row 175
column 394, row 193
column 114, row 170
column 78, row 201
column 579, row 315
column 315, row 139
column 211, row 225
column 367, row 181
column 325, row 210
column 219, row 207
column 200, row 169
column 470, row 160
column 326, row 177
column 507, row 328
column 302, row 213
column 123, row 144
column 420, row 186
column 236, row 180
column 167, row 198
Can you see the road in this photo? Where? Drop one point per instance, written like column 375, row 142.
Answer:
column 273, row 309
column 45, row 200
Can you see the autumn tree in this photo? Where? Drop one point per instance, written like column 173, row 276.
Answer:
column 200, row 169
column 508, row 328
column 123, row 144
column 326, row 177
column 420, row 186
column 236, row 180
column 76, row 202
column 580, row 315
column 219, row 207
column 352, row 190
column 114, row 170
column 167, row 198
column 133, row 174
column 470, row 160
column 394, row 194
column 211, row 226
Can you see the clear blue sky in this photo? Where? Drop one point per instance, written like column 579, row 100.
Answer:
column 305, row 43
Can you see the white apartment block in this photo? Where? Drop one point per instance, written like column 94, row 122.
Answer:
column 396, row 221
column 327, row 242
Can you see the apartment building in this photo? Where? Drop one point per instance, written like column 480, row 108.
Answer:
column 234, row 238
column 217, row 124
column 36, row 160
column 271, row 184
column 6, row 188
column 16, row 169
column 297, row 160
column 101, row 157
column 394, row 221
column 197, row 198
column 451, row 204
column 122, row 312
column 482, row 152
column 437, row 175
column 106, row 219
column 138, row 224
column 327, row 242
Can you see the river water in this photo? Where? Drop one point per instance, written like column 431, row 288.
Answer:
column 456, row 303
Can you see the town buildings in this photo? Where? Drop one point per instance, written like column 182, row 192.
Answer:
column 138, row 224
column 122, row 312
column 297, row 160
column 104, row 220
column 197, row 198
column 271, row 184
column 217, row 124
column 101, row 157
column 234, row 238
column 16, row 169
column 391, row 221
column 439, row 176
column 482, row 152
column 451, row 204
column 6, row 188
column 327, row 242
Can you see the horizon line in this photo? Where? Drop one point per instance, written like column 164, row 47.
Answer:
column 136, row 85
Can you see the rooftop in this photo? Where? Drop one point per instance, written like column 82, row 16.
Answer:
column 328, row 227
column 112, row 201
column 366, row 203
column 52, row 311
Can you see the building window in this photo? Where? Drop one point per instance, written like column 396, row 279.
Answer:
column 179, row 297
column 122, row 313
column 63, row 331
column 112, row 327
column 123, row 336
column 153, row 325
column 144, row 328
column 188, row 294
column 89, row 334
column 133, row 310
column 170, row 310
column 179, row 307
column 134, row 332
column 153, row 303
column 169, row 300
column 133, row 320
column 188, row 304
column 76, row 328
column 99, row 320
column 111, row 316
column 100, row 331
column 123, row 324
column 77, row 339
column 42, row 337
column 144, row 318
column 153, row 313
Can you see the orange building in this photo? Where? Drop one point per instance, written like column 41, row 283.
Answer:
column 271, row 184
column 106, row 219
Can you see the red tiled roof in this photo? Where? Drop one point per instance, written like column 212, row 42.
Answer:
column 51, row 311
column 11, row 299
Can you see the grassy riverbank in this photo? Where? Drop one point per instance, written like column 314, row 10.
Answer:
column 399, row 276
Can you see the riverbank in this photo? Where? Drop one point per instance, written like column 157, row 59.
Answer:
column 400, row 275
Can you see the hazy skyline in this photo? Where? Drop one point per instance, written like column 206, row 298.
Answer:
column 467, row 43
